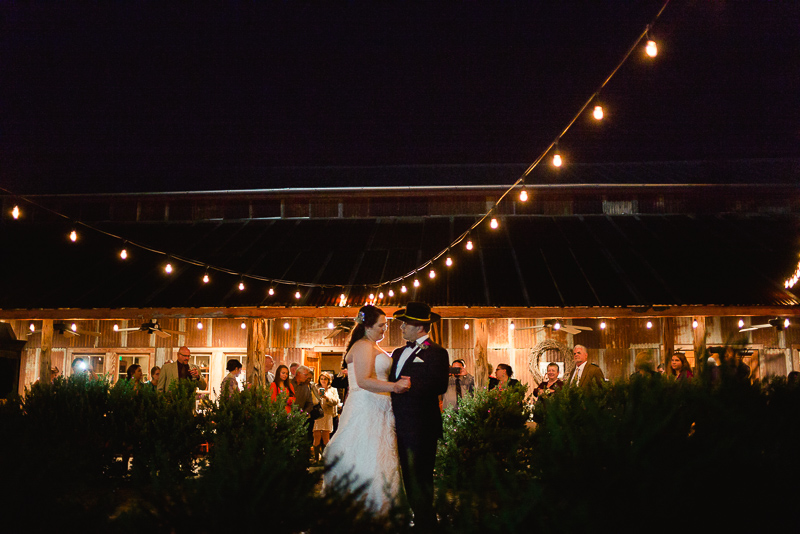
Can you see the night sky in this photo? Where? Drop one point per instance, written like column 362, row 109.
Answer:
column 133, row 96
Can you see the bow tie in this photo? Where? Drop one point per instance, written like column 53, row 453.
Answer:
column 411, row 344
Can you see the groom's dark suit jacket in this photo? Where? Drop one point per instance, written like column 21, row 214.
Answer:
column 417, row 410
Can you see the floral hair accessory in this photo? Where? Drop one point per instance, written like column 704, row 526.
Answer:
column 360, row 317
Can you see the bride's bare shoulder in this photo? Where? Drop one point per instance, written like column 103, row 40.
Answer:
column 361, row 348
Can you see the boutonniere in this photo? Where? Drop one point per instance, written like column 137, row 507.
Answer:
column 425, row 344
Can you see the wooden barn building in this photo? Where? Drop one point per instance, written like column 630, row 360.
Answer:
column 624, row 258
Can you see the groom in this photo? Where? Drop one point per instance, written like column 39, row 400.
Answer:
column 418, row 421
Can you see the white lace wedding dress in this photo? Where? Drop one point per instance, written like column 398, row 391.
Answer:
column 365, row 444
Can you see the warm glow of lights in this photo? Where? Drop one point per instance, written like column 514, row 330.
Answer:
column 73, row 327
column 371, row 296
column 403, row 289
column 116, row 327
column 380, row 295
column 271, row 292
column 73, row 236
column 391, row 292
column 241, row 286
column 741, row 323
column 168, row 268
column 206, row 279
column 786, row 323
column 557, row 326
column 694, row 324
column 416, row 282
column 523, row 196
column 199, row 325
column 466, row 326
column 649, row 324
column 330, row 325
column 432, row 274
column 286, row 325
column 297, row 295
column 244, row 325
column 651, row 48
column 448, row 261
column 469, row 244
column 123, row 254
column 598, row 112
column 557, row 160
column 602, row 325
column 791, row 282
column 494, row 224
column 33, row 328
column 511, row 325
column 15, row 212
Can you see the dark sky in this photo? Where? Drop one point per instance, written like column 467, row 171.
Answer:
column 133, row 96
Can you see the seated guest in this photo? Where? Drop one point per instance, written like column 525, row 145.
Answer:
column 230, row 384
column 503, row 374
column 679, row 368
column 281, row 386
column 459, row 385
column 552, row 384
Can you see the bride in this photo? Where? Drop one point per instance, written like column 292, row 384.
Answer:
column 364, row 447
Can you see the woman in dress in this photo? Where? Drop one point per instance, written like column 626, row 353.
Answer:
column 323, row 426
column 281, row 386
column 230, row 384
column 679, row 368
column 364, row 448
column 504, row 372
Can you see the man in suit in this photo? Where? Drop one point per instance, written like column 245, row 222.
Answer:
column 585, row 374
column 180, row 370
column 418, row 421
column 269, row 377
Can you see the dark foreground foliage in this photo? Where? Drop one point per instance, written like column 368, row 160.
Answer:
column 651, row 454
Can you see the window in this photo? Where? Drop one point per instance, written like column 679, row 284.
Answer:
column 127, row 360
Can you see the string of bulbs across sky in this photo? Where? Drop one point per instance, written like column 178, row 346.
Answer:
column 385, row 288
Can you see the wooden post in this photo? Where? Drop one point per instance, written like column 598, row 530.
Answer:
column 46, row 353
column 256, row 350
column 668, row 340
column 481, row 353
column 699, row 338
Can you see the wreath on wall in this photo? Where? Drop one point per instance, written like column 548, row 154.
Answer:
column 540, row 350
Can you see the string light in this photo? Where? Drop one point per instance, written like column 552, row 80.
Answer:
column 73, row 327
column 741, row 323
column 469, row 244
column 116, row 327
column 602, row 325
column 168, row 268
column 286, row 325
column 694, row 323
column 330, row 325
column 791, row 282
column 403, row 289
column 598, row 113
column 380, row 295
column 649, row 325
column 241, row 286
column 448, row 261
column 432, row 274
column 651, row 48
column 371, row 296
column 33, row 328
column 557, row 161
column 511, row 325
column 466, row 326
column 494, row 224
column 123, row 254
column 391, row 293
column 206, row 279
column 199, row 325
column 523, row 195
column 271, row 292
column 557, row 326
column 297, row 294
column 15, row 212
column 244, row 325
column 73, row 236
column 416, row 282
column 786, row 323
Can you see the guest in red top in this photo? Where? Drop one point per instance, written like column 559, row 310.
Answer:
column 679, row 368
column 281, row 386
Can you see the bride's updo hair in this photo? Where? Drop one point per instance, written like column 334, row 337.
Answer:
column 366, row 318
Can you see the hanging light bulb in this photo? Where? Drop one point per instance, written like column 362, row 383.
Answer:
column 416, row 282
column 469, row 244
column 33, row 328
column 602, row 325
column 432, row 274
column 523, row 195
column 694, row 323
column 448, row 261
column 511, row 325
column 649, row 325
column 73, row 327
column 371, row 296
column 271, row 291
column 286, row 325
column 199, row 325
column 73, row 236
column 241, row 286
column 391, row 293
column 206, row 279
column 557, row 326
column 244, row 325
column 403, row 289
column 557, row 162
column 330, row 325
column 15, row 212
column 651, row 48
column 466, row 326
column 741, row 323
column 123, row 254
column 168, row 268
column 116, row 327
column 598, row 113
column 786, row 323
column 297, row 294
column 494, row 224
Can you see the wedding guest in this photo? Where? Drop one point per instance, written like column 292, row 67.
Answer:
column 503, row 373
column 230, row 384
column 181, row 370
column 551, row 384
column 679, row 368
column 460, row 384
column 135, row 376
column 155, row 372
column 281, row 386
column 643, row 366
column 323, row 426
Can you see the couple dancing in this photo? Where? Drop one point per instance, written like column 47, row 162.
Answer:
column 391, row 421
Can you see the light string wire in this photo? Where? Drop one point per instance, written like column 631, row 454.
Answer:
column 430, row 262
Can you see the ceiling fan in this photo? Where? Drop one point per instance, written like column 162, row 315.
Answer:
column 336, row 328
column 68, row 329
column 151, row 327
column 555, row 324
column 777, row 323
